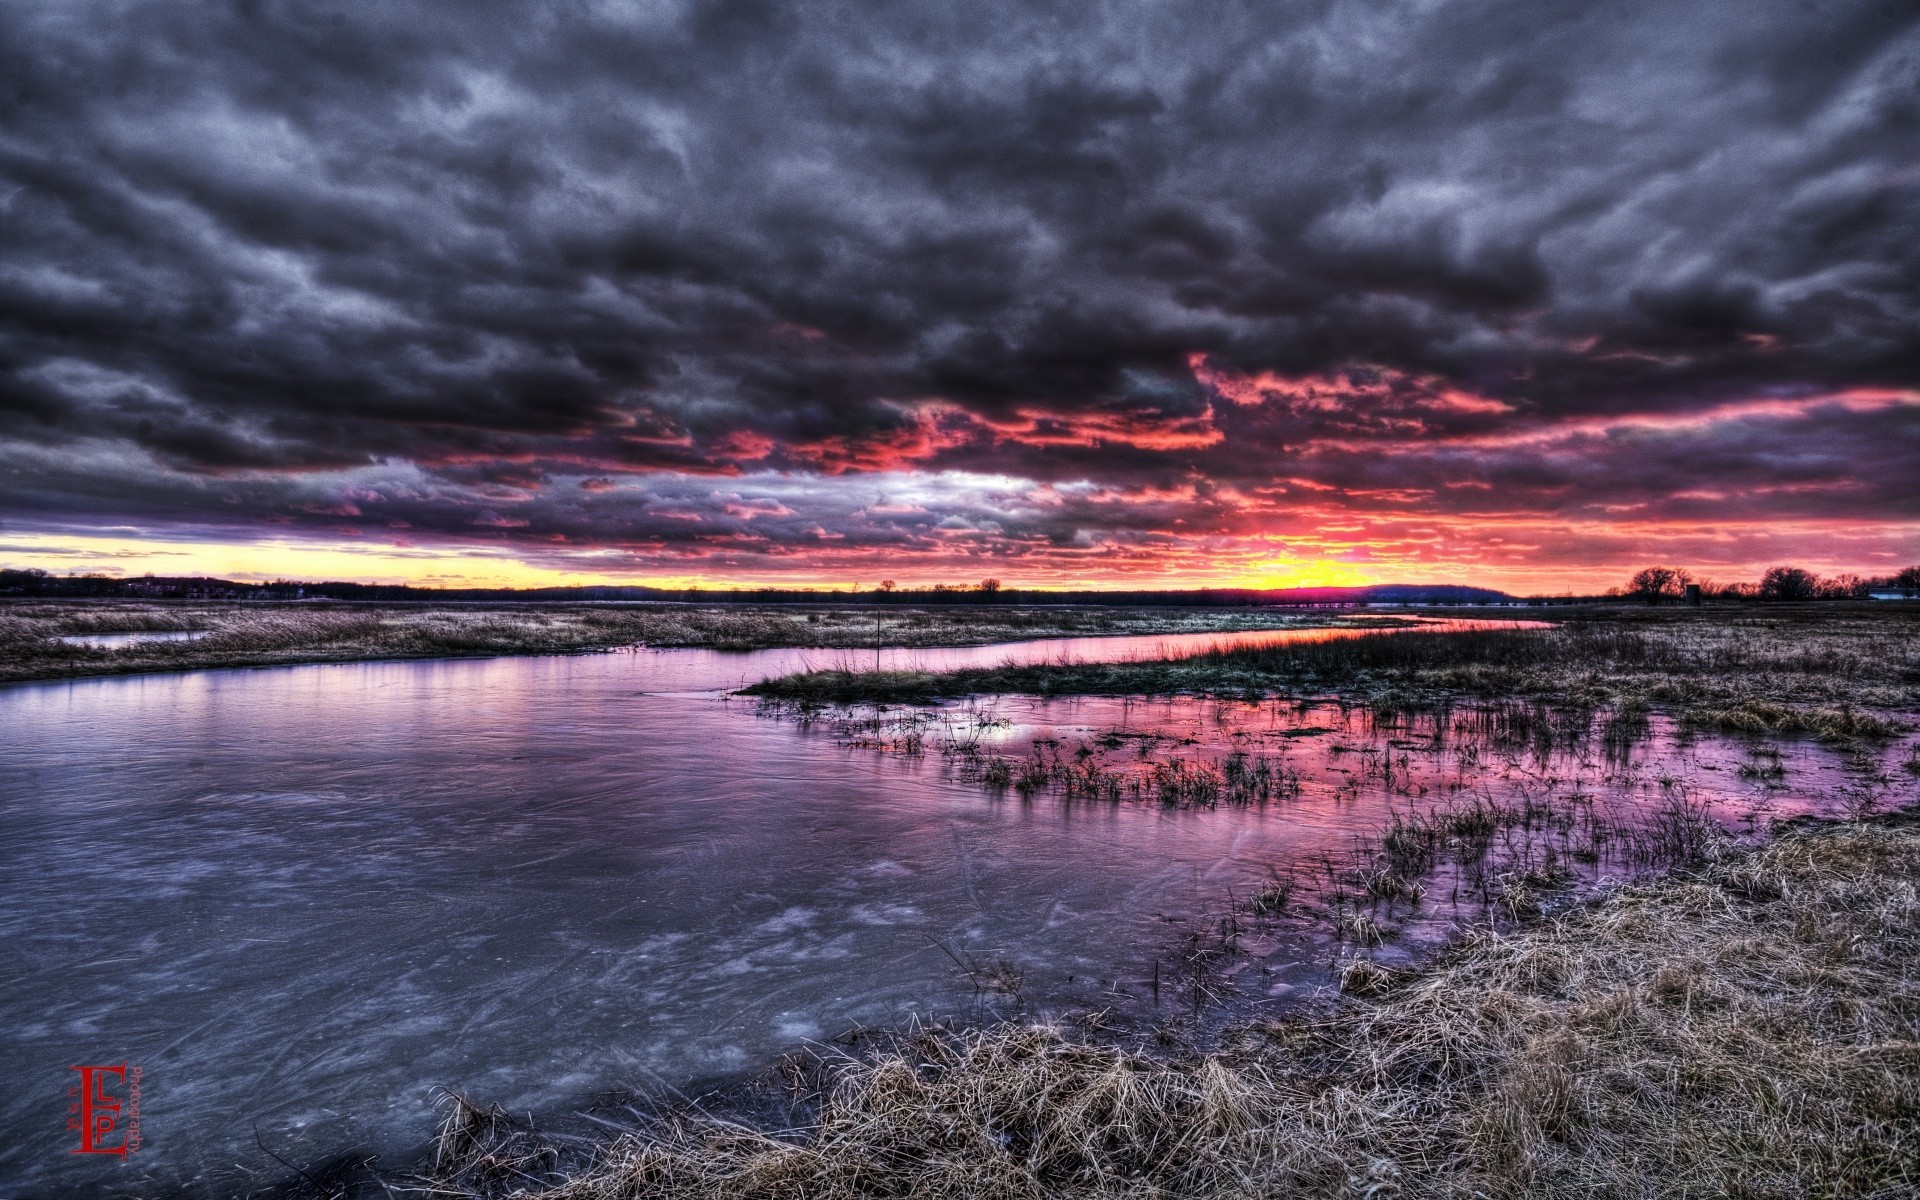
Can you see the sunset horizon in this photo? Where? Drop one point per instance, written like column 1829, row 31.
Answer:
column 490, row 566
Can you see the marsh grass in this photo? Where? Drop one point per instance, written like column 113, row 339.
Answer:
column 263, row 634
column 1843, row 724
column 1469, row 861
column 1239, row 779
column 1838, row 676
column 1749, row 1028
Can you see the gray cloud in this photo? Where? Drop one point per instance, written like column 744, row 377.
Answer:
column 251, row 253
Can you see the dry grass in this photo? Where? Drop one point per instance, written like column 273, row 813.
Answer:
column 274, row 634
column 1751, row 1029
column 1833, row 672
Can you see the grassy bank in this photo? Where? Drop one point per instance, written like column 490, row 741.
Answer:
column 1750, row 1028
column 1814, row 670
column 255, row 634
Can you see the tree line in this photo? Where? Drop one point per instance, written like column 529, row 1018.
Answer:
column 1656, row 585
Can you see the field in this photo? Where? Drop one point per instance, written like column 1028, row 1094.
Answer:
column 1838, row 671
column 266, row 634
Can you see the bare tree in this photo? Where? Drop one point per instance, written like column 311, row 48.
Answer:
column 1655, row 584
column 1844, row 587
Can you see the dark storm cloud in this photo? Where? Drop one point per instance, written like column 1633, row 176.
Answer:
column 254, row 256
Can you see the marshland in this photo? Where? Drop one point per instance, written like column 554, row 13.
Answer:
column 73, row 639
column 1815, row 669
column 1620, row 905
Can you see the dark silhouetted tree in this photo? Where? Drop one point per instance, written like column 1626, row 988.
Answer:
column 1844, row 587
column 1655, row 584
column 1788, row 583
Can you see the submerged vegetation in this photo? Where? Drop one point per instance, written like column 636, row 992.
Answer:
column 1829, row 673
column 1744, row 1028
column 266, row 634
column 1491, row 810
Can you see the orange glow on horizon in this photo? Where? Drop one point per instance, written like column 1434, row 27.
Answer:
column 1512, row 556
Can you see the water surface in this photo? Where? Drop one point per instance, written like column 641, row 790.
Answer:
column 302, row 898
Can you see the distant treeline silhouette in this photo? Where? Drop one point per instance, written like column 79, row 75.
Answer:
column 1656, row 585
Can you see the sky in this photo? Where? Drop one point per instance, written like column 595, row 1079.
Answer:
column 1128, row 294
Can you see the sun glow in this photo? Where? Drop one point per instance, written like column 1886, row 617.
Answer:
column 263, row 560
column 1283, row 573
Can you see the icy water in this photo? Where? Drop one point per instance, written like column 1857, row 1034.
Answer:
column 114, row 641
column 300, row 899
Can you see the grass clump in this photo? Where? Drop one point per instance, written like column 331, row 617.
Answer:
column 1749, row 1029
column 1844, row 724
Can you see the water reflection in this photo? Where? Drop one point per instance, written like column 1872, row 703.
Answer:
column 306, row 896
column 1407, row 826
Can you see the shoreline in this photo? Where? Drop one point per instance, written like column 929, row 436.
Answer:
column 239, row 636
column 1681, row 992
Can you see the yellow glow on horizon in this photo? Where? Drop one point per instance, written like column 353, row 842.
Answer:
column 1308, row 573
column 299, row 558
column 456, row 566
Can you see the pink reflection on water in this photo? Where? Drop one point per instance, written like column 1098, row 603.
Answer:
column 1511, row 809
